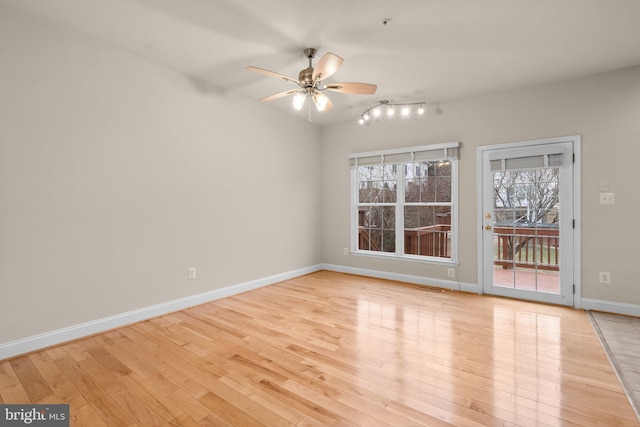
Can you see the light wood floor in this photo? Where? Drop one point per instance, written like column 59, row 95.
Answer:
column 334, row 349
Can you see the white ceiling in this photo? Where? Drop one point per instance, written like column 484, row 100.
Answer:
column 434, row 50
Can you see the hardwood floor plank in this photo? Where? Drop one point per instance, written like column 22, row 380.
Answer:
column 123, row 396
column 96, row 347
column 86, row 415
column 190, row 406
column 30, row 378
column 11, row 389
column 55, row 378
column 290, row 415
column 131, row 354
column 227, row 412
column 336, row 350
column 163, row 405
column 106, row 408
column 329, row 400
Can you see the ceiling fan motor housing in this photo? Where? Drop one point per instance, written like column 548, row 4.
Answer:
column 306, row 76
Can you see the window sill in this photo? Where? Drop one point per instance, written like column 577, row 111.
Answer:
column 410, row 258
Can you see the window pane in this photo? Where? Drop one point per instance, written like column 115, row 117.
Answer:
column 389, row 240
column 376, row 192
column 443, row 215
column 375, row 216
column 411, row 217
column 443, row 169
column 368, row 237
column 364, row 173
column 431, row 168
column 375, row 241
column 364, row 192
column 389, row 192
column 443, row 189
column 389, row 229
column 391, row 172
column 504, row 216
column 427, row 190
column 427, row 230
column 367, row 186
column 389, row 217
column 363, row 217
column 377, row 172
column 376, row 228
column 412, row 190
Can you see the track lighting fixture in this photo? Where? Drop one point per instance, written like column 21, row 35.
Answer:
column 406, row 109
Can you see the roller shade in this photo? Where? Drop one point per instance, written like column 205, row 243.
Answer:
column 539, row 157
column 449, row 151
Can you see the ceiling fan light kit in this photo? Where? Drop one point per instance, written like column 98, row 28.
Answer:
column 310, row 82
column 298, row 100
column 406, row 109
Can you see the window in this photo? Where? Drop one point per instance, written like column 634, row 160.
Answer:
column 404, row 203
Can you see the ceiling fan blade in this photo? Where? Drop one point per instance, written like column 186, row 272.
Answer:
column 329, row 105
column 326, row 66
column 279, row 95
column 354, row 88
column 271, row 73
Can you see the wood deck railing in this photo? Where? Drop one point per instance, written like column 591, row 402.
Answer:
column 365, row 242
column 527, row 247
column 427, row 241
column 433, row 240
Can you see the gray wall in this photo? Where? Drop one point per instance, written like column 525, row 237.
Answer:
column 116, row 175
column 603, row 109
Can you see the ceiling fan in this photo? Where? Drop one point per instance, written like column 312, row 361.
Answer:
column 310, row 82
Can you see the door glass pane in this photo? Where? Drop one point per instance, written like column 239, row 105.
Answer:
column 526, row 229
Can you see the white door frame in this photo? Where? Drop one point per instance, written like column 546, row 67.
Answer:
column 577, row 253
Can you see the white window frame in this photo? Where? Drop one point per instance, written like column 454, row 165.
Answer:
column 447, row 151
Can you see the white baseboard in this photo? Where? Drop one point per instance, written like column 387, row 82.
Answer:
column 585, row 303
column 418, row 280
column 610, row 307
column 59, row 336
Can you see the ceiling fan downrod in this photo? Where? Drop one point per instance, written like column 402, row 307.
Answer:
column 305, row 77
column 310, row 53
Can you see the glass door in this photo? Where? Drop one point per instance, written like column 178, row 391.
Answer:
column 527, row 234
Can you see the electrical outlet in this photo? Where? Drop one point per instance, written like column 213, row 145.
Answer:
column 607, row 198
column 604, row 186
column 192, row 273
column 451, row 272
column 605, row 277
column 346, row 251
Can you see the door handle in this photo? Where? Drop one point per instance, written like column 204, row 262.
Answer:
column 487, row 227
